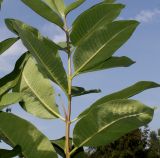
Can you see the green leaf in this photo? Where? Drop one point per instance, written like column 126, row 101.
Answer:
column 10, row 80
column 21, row 132
column 4, row 45
column 79, row 153
column 9, row 99
column 112, row 62
column 10, row 153
column 78, row 91
column 43, row 10
column 61, row 142
column 107, row 122
column 50, row 61
column 37, row 92
column 86, row 23
column 123, row 94
column 57, row 5
column 59, row 145
column 129, row 92
column 73, row 6
column 102, row 44
column 10, row 24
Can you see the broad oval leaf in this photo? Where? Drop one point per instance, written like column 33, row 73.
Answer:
column 9, row 81
column 37, row 92
column 44, row 51
column 73, row 6
column 112, row 62
column 107, row 122
column 9, row 99
column 21, row 132
column 43, row 10
column 4, row 45
column 10, row 153
column 90, row 20
column 105, row 41
column 123, row 94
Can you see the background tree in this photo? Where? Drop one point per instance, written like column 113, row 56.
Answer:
column 132, row 145
column 137, row 144
column 154, row 145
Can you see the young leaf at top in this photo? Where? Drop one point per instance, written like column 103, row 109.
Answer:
column 45, row 11
column 50, row 61
column 73, row 6
column 9, row 81
column 123, row 94
column 9, row 99
column 4, row 45
column 112, row 62
column 107, row 122
column 102, row 44
column 37, row 92
column 21, row 132
column 90, row 20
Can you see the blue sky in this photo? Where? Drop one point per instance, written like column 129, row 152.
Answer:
column 143, row 47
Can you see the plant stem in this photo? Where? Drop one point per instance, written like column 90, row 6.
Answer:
column 68, row 116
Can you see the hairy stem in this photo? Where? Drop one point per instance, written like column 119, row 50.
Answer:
column 68, row 116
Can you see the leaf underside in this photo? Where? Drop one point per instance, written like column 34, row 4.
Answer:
column 37, row 92
column 20, row 132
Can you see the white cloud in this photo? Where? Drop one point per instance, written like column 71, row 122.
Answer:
column 5, row 33
column 8, row 58
column 15, row 50
column 146, row 16
column 53, row 32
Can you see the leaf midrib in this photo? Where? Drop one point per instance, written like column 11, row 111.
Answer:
column 39, row 98
column 100, row 130
column 46, row 67
column 95, row 54
column 89, row 32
